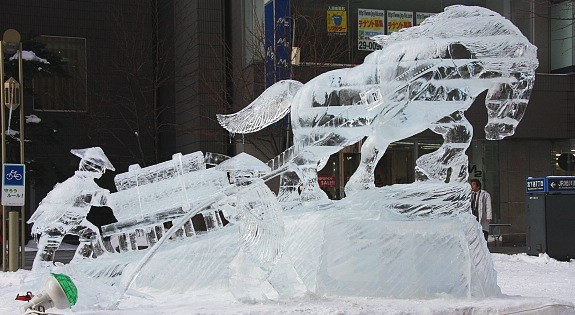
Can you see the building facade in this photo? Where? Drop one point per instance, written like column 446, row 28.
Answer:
column 145, row 79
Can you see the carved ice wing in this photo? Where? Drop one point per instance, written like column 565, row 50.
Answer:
column 273, row 104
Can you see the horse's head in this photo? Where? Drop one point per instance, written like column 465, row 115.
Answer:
column 506, row 103
column 507, row 60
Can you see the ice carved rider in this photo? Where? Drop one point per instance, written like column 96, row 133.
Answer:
column 63, row 211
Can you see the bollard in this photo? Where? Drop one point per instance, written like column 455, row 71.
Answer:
column 13, row 250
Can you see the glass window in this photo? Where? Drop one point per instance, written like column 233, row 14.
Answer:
column 58, row 93
column 563, row 158
column 562, row 32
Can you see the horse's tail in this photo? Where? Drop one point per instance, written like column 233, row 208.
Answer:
column 272, row 105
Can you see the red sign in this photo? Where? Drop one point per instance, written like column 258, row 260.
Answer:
column 326, row 181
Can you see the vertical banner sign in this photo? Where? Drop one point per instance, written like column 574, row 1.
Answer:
column 269, row 25
column 369, row 23
column 336, row 20
column 13, row 180
column 283, row 39
column 277, row 40
column 397, row 20
column 420, row 16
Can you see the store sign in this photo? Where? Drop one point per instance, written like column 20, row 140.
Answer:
column 336, row 20
column 369, row 23
column 397, row 20
column 13, row 184
column 327, row 181
column 421, row 16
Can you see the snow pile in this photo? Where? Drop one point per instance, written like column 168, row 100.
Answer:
column 529, row 283
column 30, row 56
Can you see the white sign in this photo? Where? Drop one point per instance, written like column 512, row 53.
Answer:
column 369, row 23
column 421, row 16
column 13, row 184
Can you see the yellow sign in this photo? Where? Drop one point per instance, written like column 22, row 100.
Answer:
column 336, row 20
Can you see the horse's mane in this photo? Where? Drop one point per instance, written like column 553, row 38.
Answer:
column 486, row 34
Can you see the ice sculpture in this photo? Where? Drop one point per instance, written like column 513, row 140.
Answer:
column 149, row 199
column 64, row 210
column 221, row 228
column 243, row 168
column 424, row 77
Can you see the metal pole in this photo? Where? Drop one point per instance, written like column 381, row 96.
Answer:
column 23, row 208
column 13, row 241
column 3, row 126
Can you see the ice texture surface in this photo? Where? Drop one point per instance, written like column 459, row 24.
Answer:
column 222, row 227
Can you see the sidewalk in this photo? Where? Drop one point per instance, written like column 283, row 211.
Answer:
column 509, row 250
column 504, row 248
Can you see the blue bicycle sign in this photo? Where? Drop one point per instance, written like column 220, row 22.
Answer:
column 13, row 175
column 13, row 184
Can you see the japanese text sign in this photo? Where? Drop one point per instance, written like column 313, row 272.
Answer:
column 336, row 20
column 421, row 16
column 397, row 20
column 369, row 23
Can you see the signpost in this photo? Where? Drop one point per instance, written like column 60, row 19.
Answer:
column 12, row 96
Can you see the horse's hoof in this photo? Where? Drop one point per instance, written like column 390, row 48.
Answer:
column 353, row 187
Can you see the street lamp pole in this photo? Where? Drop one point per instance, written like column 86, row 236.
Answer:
column 12, row 96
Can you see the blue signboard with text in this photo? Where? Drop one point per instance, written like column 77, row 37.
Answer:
column 13, row 184
column 551, row 184
column 536, row 185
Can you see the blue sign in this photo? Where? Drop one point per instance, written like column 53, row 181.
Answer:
column 536, row 185
column 561, row 184
column 270, row 69
column 550, row 184
column 13, row 184
column 13, row 175
column 277, row 41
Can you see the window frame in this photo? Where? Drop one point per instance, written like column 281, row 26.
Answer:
column 85, row 79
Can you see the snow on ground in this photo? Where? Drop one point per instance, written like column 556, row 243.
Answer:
column 531, row 285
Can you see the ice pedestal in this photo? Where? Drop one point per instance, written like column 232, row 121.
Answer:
column 381, row 258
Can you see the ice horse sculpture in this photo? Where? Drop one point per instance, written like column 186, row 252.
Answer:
column 423, row 77
column 414, row 240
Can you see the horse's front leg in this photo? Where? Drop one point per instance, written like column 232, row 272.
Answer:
column 449, row 162
column 371, row 152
